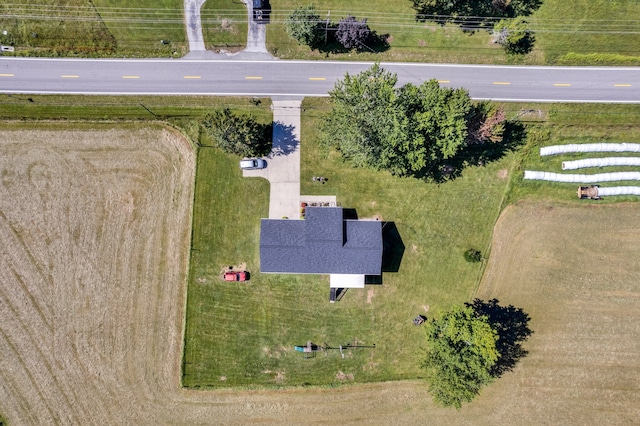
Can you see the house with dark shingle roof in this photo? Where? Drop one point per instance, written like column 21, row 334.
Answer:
column 322, row 243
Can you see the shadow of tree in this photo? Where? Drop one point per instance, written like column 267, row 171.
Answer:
column 327, row 42
column 477, row 155
column 284, row 140
column 512, row 326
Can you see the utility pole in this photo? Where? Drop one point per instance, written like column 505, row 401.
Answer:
column 326, row 27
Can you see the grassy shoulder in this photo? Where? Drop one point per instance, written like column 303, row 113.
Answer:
column 224, row 25
column 577, row 32
column 117, row 28
column 98, row 28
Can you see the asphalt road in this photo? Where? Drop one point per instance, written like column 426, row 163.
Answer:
column 302, row 78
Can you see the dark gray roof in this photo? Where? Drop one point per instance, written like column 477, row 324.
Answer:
column 323, row 243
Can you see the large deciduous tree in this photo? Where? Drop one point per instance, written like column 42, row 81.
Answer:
column 461, row 352
column 514, row 36
column 472, row 12
column 237, row 133
column 353, row 34
column 304, row 26
column 404, row 130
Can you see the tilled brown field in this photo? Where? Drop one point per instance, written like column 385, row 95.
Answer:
column 94, row 237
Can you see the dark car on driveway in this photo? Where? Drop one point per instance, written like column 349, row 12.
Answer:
column 261, row 11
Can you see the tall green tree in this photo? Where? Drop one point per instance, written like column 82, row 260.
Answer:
column 514, row 36
column 472, row 12
column 363, row 116
column 304, row 26
column 461, row 351
column 403, row 130
column 237, row 133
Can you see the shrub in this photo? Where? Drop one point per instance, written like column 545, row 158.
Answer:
column 472, row 255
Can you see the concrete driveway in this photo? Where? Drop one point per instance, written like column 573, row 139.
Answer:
column 194, row 25
column 283, row 163
column 256, row 48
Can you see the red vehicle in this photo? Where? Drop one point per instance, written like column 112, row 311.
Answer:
column 235, row 276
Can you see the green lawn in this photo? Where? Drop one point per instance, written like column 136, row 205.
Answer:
column 117, row 28
column 224, row 25
column 139, row 25
column 410, row 40
column 244, row 333
column 576, row 32
column 101, row 28
column 573, row 123
column 599, row 32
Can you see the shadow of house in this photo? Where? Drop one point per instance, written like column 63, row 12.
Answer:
column 392, row 252
column 284, row 140
column 393, row 247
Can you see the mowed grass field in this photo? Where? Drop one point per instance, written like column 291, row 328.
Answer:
column 98, row 28
column 574, row 269
column 224, row 25
column 576, row 32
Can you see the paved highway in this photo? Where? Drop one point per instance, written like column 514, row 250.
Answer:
column 308, row 78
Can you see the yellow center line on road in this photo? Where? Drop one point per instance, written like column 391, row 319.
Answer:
column 130, row 76
column 444, row 81
column 253, row 78
column 6, row 75
column 69, row 76
column 504, row 83
column 317, row 78
column 192, row 76
column 621, row 85
column 561, row 84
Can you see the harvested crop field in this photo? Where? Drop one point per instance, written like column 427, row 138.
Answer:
column 574, row 269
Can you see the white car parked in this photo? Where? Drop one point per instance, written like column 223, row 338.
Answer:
column 253, row 164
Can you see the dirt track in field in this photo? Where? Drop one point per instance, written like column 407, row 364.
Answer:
column 94, row 232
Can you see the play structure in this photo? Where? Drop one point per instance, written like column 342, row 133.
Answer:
column 600, row 162
column 589, row 147
column 310, row 349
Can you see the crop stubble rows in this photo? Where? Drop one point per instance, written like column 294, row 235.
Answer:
column 574, row 269
column 93, row 229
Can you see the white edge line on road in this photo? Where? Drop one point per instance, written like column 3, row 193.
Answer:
column 275, row 62
column 311, row 95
